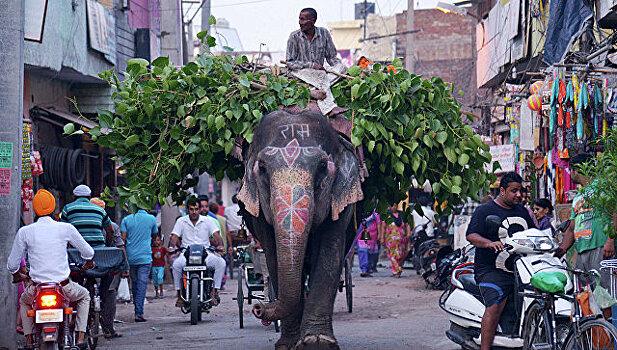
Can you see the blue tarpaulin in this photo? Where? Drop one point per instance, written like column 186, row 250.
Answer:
column 566, row 22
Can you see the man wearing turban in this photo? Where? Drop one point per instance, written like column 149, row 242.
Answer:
column 45, row 242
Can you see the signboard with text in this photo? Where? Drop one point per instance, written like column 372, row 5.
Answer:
column 504, row 155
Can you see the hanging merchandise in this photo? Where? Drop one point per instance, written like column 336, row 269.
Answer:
column 597, row 109
column 37, row 163
column 569, row 104
column 534, row 102
column 26, row 172
column 535, row 87
column 561, row 97
column 583, row 103
column 554, row 98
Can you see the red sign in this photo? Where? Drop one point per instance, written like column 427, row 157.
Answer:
column 5, row 181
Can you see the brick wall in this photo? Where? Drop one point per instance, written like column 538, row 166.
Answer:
column 443, row 49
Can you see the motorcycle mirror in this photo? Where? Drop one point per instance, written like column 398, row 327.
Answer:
column 564, row 225
column 493, row 220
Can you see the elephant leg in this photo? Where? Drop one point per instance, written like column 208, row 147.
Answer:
column 317, row 332
column 290, row 326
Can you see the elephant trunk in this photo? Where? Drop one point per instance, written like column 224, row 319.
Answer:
column 293, row 206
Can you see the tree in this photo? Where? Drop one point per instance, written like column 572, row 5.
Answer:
column 169, row 121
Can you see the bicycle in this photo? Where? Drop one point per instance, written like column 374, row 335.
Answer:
column 542, row 332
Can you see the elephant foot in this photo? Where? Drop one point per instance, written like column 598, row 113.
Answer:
column 285, row 343
column 316, row 342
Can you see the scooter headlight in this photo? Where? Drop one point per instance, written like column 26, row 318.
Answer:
column 539, row 243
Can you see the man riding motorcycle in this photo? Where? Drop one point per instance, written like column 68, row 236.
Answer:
column 496, row 284
column 196, row 229
column 44, row 243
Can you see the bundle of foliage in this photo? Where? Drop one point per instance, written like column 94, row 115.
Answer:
column 602, row 194
column 170, row 121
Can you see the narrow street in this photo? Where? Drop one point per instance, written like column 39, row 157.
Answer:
column 388, row 313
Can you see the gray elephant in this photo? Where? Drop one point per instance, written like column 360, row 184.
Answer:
column 297, row 197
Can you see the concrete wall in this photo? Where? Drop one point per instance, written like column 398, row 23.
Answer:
column 171, row 31
column 65, row 41
column 443, row 49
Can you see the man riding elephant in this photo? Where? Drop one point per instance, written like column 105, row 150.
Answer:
column 307, row 49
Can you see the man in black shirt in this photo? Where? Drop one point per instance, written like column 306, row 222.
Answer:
column 496, row 284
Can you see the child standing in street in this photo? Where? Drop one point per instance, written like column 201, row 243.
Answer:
column 158, row 266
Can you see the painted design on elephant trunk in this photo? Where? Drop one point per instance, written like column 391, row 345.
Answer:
column 292, row 204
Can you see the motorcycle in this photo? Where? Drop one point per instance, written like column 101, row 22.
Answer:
column 54, row 319
column 526, row 252
column 447, row 263
column 197, row 287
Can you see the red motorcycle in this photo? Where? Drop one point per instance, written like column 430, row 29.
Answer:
column 53, row 317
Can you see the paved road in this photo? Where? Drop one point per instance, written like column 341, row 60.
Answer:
column 389, row 313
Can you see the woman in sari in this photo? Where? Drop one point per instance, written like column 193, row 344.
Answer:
column 395, row 238
column 368, row 250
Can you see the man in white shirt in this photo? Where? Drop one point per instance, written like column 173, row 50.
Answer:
column 426, row 221
column 45, row 243
column 197, row 229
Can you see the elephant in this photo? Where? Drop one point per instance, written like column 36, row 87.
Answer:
column 298, row 194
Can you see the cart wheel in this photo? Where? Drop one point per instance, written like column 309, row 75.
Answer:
column 348, row 286
column 240, row 300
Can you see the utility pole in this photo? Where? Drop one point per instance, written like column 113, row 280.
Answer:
column 11, row 117
column 409, row 52
column 364, row 12
column 205, row 17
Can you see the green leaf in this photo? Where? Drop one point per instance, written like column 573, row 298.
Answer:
column 201, row 35
column 427, row 140
column 441, row 137
column 371, row 146
column 211, row 41
column 455, row 189
column 244, row 82
column 139, row 61
column 463, row 159
column 196, row 139
column 161, row 61
column 192, row 148
column 69, row 128
column 355, row 140
column 132, row 140
column 354, row 71
column 435, row 125
column 355, row 90
column 148, row 109
column 212, row 20
column 399, row 168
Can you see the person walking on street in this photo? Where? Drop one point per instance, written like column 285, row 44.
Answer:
column 44, row 243
column 395, row 237
column 586, row 230
column 496, row 285
column 543, row 210
column 88, row 218
column 158, row 266
column 137, row 230
column 368, row 250
column 109, row 285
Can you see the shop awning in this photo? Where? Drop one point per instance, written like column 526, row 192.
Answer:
column 46, row 113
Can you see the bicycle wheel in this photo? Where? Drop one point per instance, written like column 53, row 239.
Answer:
column 535, row 327
column 348, row 286
column 240, row 298
column 598, row 334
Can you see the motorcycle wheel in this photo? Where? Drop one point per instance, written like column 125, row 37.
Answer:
column 194, row 300
column 92, row 332
column 240, row 299
column 50, row 346
column 535, row 327
column 348, row 286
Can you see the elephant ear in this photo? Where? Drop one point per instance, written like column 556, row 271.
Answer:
column 248, row 193
column 346, row 189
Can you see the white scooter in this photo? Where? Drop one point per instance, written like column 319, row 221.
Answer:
column 526, row 253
